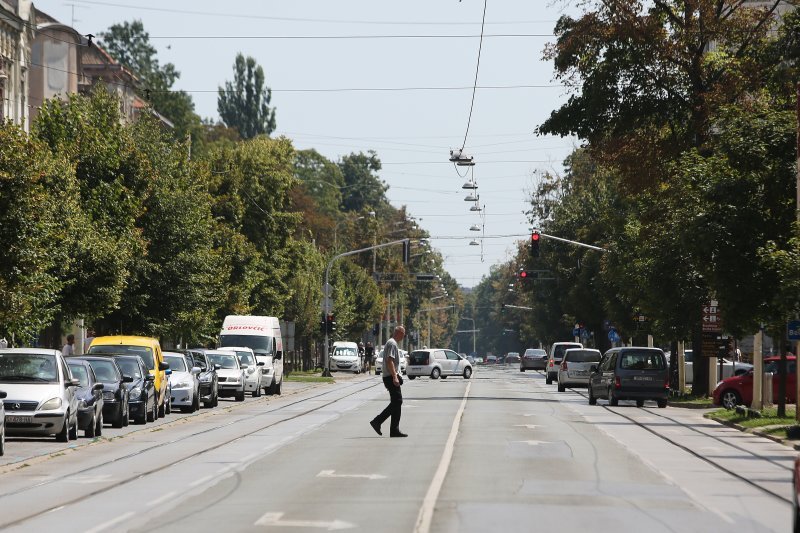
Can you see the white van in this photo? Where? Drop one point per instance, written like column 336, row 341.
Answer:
column 345, row 358
column 262, row 334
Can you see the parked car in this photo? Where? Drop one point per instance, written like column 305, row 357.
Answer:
column 479, row 360
column 403, row 362
column 208, row 391
column 230, row 375
column 471, row 360
column 556, row 355
column 729, row 368
column 501, row 360
column 40, row 394
column 630, row 373
column 575, row 367
column 115, row 392
column 90, row 397
column 345, row 358
column 438, row 363
column 142, row 400
column 184, row 384
column 533, row 359
column 491, row 359
column 149, row 350
column 2, row 424
column 738, row 390
column 252, row 369
column 513, row 358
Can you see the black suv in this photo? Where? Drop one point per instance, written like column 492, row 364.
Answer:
column 630, row 373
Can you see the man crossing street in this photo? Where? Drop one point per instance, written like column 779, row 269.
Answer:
column 392, row 381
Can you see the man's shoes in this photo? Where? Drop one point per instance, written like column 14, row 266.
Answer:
column 397, row 433
column 376, row 427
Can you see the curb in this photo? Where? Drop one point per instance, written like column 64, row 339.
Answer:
column 794, row 444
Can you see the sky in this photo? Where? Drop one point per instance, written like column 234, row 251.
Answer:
column 315, row 52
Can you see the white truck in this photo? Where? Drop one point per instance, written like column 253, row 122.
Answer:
column 262, row 334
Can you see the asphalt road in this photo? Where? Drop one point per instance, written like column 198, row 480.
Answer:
column 500, row 452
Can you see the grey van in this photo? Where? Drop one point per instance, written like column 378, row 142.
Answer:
column 630, row 373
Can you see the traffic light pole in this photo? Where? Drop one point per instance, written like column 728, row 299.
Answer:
column 326, row 370
column 576, row 243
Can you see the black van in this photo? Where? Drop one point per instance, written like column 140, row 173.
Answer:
column 630, row 373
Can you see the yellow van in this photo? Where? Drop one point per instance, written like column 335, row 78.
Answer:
column 149, row 350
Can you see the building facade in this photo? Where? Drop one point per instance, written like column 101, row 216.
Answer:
column 16, row 35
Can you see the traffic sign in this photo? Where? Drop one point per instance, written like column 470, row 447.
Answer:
column 712, row 321
column 613, row 336
column 793, row 330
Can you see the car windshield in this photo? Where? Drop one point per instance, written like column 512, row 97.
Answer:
column 22, row 367
column 104, row 370
column 79, row 372
column 348, row 352
column 582, row 356
column 560, row 349
column 130, row 367
column 260, row 345
column 246, row 358
column 224, row 361
column 648, row 360
column 144, row 352
column 176, row 363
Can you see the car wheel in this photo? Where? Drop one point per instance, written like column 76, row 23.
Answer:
column 196, row 401
column 468, row 372
column 120, row 420
column 73, row 430
column 435, row 373
column 592, row 399
column 168, row 405
column 612, row 400
column 639, row 403
column 730, row 399
column 548, row 379
column 279, row 388
column 662, row 403
column 412, row 377
column 240, row 396
column 162, row 409
column 522, row 369
column 91, row 428
column 561, row 387
column 152, row 414
column 216, row 400
column 63, row 435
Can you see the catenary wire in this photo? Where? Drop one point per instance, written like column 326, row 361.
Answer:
column 477, row 70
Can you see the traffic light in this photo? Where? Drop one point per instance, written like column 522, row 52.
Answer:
column 330, row 324
column 323, row 324
column 535, row 238
column 525, row 275
column 406, row 251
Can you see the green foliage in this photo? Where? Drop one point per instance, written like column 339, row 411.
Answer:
column 244, row 103
column 322, row 178
column 365, row 190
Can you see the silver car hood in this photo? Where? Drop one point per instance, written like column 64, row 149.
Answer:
column 229, row 373
column 179, row 376
column 32, row 392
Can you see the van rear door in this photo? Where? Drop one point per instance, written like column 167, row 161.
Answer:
column 642, row 370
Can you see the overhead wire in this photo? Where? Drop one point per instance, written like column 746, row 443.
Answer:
column 477, row 70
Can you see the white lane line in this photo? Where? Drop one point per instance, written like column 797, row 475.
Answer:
column 274, row 520
column 425, row 515
column 106, row 525
column 200, row 481
column 332, row 473
column 162, row 499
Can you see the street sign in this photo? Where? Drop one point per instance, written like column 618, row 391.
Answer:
column 793, row 330
column 613, row 336
column 576, row 332
column 712, row 321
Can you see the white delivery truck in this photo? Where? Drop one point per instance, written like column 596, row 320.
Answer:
column 263, row 335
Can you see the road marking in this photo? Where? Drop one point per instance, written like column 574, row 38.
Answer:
column 200, row 481
column 106, row 525
column 533, row 442
column 89, row 480
column 162, row 499
column 330, row 473
column 425, row 515
column 529, row 426
column 274, row 519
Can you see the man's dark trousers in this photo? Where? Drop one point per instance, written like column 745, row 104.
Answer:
column 395, row 403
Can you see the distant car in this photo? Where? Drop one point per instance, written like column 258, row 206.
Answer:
column 554, row 360
column 184, row 384
column 533, row 359
column 142, row 399
column 438, row 363
column 345, row 358
column 630, row 373
column 403, row 362
column 738, row 390
column 471, row 360
column 575, row 367
column 491, row 360
column 41, row 393
column 501, row 360
column 512, row 358
column 90, row 397
column 479, row 360
column 208, row 378
column 116, row 410
column 252, row 370
column 230, row 375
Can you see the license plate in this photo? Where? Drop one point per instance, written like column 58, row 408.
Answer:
column 11, row 419
column 579, row 373
column 642, row 378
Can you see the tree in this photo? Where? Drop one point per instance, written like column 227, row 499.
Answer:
column 129, row 44
column 364, row 188
column 244, row 103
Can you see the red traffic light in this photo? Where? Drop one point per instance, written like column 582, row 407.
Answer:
column 523, row 274
column 535, row 237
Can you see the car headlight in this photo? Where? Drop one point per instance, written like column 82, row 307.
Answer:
column 53, row 403
column 136, row 393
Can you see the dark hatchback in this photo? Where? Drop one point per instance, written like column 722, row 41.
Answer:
column 208, row 392
column 630, row 373
column 90, row 397
column 116, row 410
column 141, row 390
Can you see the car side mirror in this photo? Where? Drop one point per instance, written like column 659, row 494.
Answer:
column 149, row 377
column 196, row 370
column 244, row 367
column 262, row 363
column 163, row 365
column 3, row 394
column 98, row 386
column 127, row 379
column 278, row 355
column 593, row 369
column 217, row 367
column 168, row 371
column 73, row 383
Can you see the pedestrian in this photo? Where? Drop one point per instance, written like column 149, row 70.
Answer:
column 369, row 353
column 69, row 348
column 392, row 381
column 361, row 354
